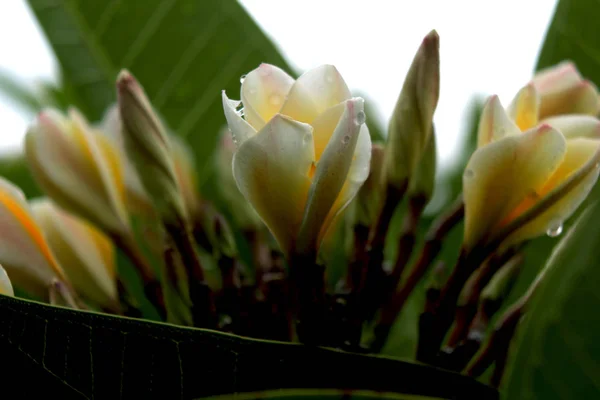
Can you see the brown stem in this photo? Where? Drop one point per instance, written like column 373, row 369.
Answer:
column 308, row 288
column 356, row 276
column 407, row 238
column 376, row 276
column 498, row 344
column 203, row 307
column 62, row 294
column 466, row 311
column 456, row 357
column 229, row 299
column 433, row 244
column 439, row 319
column 152, row 288
column 345, row 324
column 130, row 309
column 272, row 313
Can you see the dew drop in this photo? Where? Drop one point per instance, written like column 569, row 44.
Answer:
column 360, row 118
column 555, row 229
column 346, row 139
column 469, row 174
column 242, row 78
column 275, row 99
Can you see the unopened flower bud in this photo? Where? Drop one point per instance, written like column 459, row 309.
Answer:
column 411, row 126
column 148, row 146
column 24, row 252
column 137, row 199
column 564, row 91
column 5, row 285
column 86, row 254
column 78, row 168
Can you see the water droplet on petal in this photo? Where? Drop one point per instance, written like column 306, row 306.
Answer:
column 242, row 78
column 346, row 139
column 252, row 91
column 275, row 99
column 360, row 118
column 469, row 174
column 307, row 138
column 555, row 229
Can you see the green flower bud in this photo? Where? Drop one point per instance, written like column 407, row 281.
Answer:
column 411, row 126
column 148, row 145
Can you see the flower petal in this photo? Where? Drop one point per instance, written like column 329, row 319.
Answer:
column 564, row 91
column 240, row 129
column 324, row 127
column 86, row 253
column 557, row 78
column 5, row 285
column 580, row 151
column 24, row 251
column 271, row 170
column 332, row 172
column 525, row 108
column 502, row 174
column 263, row 92
column 314, row 92
column 78, row 168
column 494, row 123
column 357, row 175
column 576, row 126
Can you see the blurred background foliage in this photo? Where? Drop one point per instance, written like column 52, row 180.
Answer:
column 185, row 52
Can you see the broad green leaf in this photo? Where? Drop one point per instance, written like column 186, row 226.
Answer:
column 18, row 92
column 184, row 52
column 557, row 355
column 573, row 35
column 106, row 357
column 308, row 394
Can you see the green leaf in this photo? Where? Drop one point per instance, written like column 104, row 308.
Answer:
column 319, row 394
column 184, row 52
column 557, row 353
column 18, row 92
column 573, row 35
column 99, row 356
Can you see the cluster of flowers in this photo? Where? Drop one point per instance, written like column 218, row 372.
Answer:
column 300, row 153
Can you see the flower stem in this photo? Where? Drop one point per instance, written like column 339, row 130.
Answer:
column 272, row 310
column 498, row 344
column 376, row 276
column 62, row 294
column 229, row 301
column 465, row 311
column 407, row 239
column 152, row 288
column 308, row 288
column 433, row 244
column 130, row 309
column 203, row 307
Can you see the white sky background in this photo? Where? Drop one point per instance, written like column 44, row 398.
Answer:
column 486, row 47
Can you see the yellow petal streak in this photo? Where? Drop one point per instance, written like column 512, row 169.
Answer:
column 502, row 175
